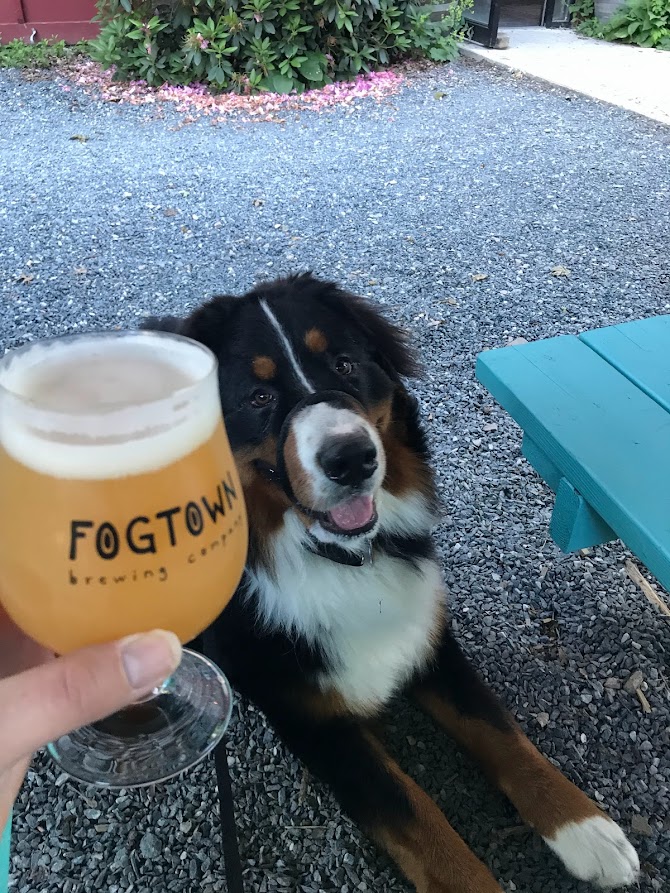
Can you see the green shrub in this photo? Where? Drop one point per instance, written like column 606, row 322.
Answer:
column 581, row 12
column 276, row 45
column 17, row 54
column 645, row 23
column 642, row 22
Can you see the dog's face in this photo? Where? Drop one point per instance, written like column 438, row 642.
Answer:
column 308, row 375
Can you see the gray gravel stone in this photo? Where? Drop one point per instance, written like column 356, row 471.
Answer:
column 411, row 202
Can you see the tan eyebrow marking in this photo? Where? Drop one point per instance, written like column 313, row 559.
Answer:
column 316, row 341
column 264, row 368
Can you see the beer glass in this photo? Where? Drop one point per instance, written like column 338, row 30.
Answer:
column 121, row 511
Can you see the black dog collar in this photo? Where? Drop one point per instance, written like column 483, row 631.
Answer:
column 338, row 554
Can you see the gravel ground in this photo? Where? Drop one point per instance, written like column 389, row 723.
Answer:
column 468, row 171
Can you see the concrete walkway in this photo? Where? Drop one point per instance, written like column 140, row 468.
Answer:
column 630, row 77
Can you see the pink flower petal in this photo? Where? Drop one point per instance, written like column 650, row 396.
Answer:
column 196, row 98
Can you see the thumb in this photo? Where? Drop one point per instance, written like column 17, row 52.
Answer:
column 42, row 704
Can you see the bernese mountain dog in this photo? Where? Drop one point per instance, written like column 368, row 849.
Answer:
column 342, row 605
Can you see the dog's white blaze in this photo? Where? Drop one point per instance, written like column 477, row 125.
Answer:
column 373, row 622
column 288, row 348
column 596, row 850
column 311, row 428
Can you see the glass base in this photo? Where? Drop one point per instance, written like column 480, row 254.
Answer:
column 156, row 739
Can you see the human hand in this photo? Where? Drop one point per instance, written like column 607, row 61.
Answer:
column 43, row 697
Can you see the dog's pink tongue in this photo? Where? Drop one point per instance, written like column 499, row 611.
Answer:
column 355, row 513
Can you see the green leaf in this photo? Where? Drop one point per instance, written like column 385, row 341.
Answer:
column 443, row 54
column 182, row 18
column 217, row 74
column 294, row 63
column 311, row 69
column 278, row 83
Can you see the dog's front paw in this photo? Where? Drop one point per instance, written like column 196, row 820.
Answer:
column 596, row 850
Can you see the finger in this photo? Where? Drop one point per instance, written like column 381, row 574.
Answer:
column 42, row 704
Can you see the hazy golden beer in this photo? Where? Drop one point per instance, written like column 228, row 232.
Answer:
column 123, row 510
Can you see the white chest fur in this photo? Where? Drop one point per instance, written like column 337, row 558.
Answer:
column 372, row 623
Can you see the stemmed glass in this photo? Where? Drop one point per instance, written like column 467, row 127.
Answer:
column 121, row 512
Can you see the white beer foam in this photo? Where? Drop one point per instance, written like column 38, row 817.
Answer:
column 107, row 406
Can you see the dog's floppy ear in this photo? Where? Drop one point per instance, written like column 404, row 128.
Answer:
column 209, row 324
column 395, row 354
column 163, row 324
column 391, row 343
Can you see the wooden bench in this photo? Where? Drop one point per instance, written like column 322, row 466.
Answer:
column 595, row 412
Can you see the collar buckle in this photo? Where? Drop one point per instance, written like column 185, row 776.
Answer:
column 340, row 555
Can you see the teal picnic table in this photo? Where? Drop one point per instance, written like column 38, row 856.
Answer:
column 595, row 414
column 4, row 858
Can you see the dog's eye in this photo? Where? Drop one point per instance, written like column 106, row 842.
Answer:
column 344, row 366
column 261, row 398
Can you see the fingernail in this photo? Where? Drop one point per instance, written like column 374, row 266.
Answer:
column 148, row 659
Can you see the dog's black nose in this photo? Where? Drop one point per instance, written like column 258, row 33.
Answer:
column 348, row 460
